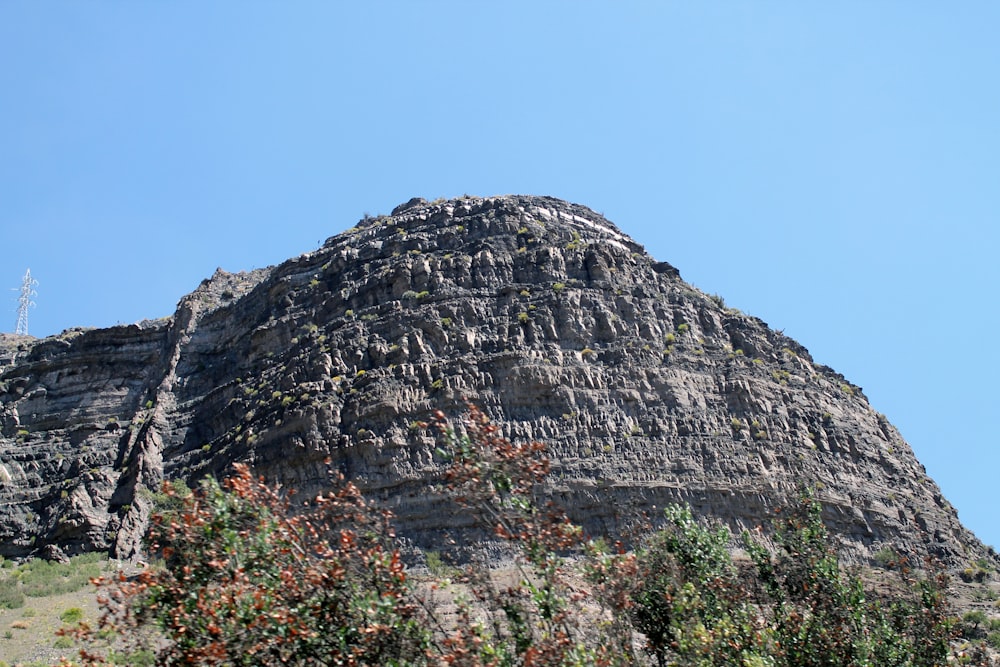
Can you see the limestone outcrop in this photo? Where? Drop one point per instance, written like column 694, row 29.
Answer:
column 646, row 390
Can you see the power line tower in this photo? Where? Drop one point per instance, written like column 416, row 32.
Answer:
column 24, row 302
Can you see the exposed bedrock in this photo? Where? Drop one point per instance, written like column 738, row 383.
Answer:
column 645, row 390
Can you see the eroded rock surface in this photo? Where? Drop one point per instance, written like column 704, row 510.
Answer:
column 646, row 390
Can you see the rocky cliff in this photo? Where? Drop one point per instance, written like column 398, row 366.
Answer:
column 646, row 390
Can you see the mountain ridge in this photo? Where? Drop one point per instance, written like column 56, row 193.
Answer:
column 646, row 390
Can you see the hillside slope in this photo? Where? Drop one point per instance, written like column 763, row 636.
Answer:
column 646, row 390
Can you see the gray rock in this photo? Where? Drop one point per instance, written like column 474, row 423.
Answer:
column 646, row 391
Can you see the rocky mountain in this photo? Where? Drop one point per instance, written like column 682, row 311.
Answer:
column 646, row 390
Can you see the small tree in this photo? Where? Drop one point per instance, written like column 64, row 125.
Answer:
column 688, row 600
column 822, row 616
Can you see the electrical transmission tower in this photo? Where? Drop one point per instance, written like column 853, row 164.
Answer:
column 24, row 302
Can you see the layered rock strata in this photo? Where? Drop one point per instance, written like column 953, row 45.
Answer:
column 646, row 390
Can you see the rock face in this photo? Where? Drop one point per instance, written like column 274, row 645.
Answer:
column 646, row 390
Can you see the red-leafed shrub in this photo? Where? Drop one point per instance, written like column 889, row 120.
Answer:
column 245, row 582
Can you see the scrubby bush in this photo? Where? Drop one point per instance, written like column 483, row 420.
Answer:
column 39, row 578
column 11, row 596
column 819, row 614
column 244, row 582
column 688, row 600
column 71, row 615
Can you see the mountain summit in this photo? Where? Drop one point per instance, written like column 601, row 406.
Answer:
column 645, row 390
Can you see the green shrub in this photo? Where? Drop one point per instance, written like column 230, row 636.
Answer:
column 142, row 658
column 435, row 563
column 688, row 601
column 818, row 614
column 244, row 582
column 11, row 596
column 40, row 578
column 71, row 615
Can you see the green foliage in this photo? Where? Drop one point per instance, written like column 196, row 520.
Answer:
column 819, row 615
column 245, row 583
column 688, row 601
column 11, row 595
column 71, row 615
column 170, row 499
column 40, row 578
column 435, row 563
column 977, row 571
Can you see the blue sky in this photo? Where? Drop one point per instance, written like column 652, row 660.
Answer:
column 832, row 168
